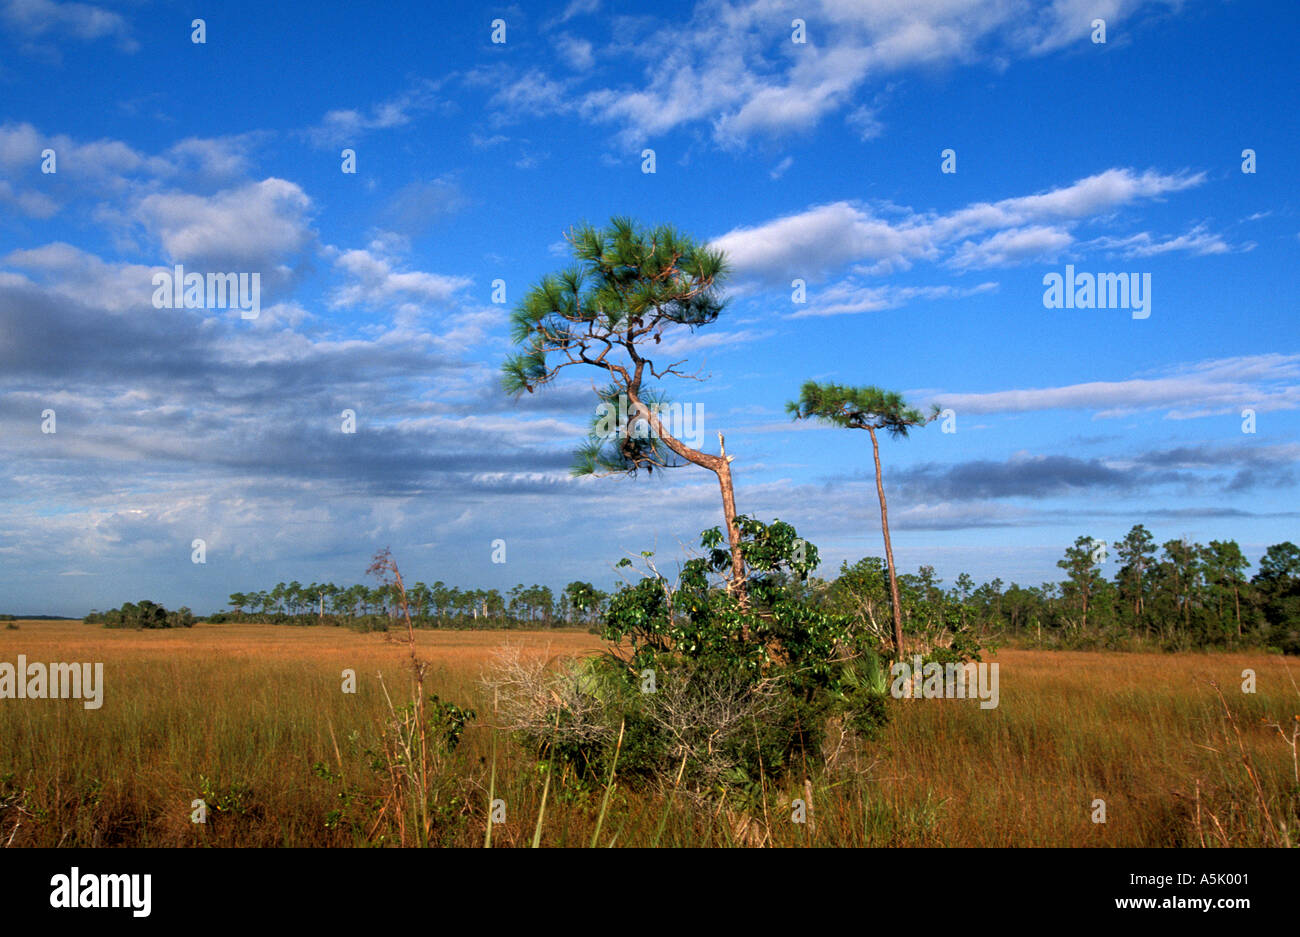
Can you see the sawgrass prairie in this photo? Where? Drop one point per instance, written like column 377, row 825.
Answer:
column 252, row 719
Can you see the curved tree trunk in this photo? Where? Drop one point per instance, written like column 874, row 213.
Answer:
column 719, row 465
column 889, row 550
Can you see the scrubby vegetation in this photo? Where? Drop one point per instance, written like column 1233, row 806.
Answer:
column 142, row 614
column 700, row 690
column 376, row 607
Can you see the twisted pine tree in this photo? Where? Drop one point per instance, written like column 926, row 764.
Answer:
column 630, row 286
column 868, row 408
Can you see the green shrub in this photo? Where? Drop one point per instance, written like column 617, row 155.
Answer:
column 142, row 614
column 705, row 687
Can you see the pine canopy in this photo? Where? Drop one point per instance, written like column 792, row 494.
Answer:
column 857, row 408
column 628, row 286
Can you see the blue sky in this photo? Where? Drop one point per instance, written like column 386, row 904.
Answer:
column 818, row 161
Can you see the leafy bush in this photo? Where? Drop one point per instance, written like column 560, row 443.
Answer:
column 142, row 614
column 701, row 684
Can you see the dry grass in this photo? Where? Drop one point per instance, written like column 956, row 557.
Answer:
column 243, row 713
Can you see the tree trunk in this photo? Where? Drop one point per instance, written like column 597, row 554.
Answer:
column 719, row 465
column 889, row 550
column 733, row 530
column 1141, row 605
column 1236, row 600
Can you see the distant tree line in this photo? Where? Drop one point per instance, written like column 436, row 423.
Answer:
column 579, row 604
column 1177, row 596
column 142, row 614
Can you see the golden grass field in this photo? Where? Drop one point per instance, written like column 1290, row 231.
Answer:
column 239, row 714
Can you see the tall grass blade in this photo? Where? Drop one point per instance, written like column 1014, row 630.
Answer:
column 604, row 803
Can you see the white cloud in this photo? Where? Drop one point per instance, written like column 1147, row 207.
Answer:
column 579, row 8
column 681, row 343
column 39, row 19
column 110, row 168
column 827, row 236
column 520, row 96
column 348, row 125
column 98, row 161
column 32, row 204
column 20, row 145
column 866, row 122
column 219, row 158
column 1217, row 386
column 84, row 278
column 576, row 52
column 375, row 282
column 1199, row 241
column 815, row 86
column 251, row 225
column 1015, row 245
column 732, row 64
column 820, row 238
column 481, row 142
column 848, row 297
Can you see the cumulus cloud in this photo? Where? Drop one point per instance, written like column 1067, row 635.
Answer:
column 1015, row 245
column 118, row 175
column 826, row 237
column 100, row 167
column 375, row 282
column 227, row 430
column 33, row 204
column 249, row 225
column 819, row 239
column 82, row 277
